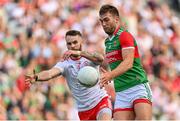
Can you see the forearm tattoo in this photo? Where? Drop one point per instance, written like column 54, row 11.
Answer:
column 96, row 57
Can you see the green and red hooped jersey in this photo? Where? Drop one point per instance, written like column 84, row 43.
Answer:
column 136, row 75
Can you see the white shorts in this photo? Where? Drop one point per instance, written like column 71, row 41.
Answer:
column 125, row 100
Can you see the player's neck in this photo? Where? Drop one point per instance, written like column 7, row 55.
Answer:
column 115, row 31
column 110, row 35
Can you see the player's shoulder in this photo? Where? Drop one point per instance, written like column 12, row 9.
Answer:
column 63, row 61
column 125, row 34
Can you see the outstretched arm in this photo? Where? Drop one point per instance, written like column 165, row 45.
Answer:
column 48, row 74
column 42, row 76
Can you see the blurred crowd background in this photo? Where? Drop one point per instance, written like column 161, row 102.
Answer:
column 32, row 36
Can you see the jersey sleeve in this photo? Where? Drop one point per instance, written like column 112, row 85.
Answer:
column 62, row 66
column 126, row 40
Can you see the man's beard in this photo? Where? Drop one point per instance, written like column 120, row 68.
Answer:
column 76, row 56
column 110, row 31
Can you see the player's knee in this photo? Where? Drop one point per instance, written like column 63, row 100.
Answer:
column 124, row 115
column 104, row 114
column 143, row 117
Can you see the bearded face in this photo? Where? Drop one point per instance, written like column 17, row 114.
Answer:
column 109, row 23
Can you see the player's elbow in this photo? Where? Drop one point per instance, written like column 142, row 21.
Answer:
column 101, row 59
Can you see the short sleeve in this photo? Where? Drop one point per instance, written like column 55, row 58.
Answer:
column 61, row 65
column 126, row 40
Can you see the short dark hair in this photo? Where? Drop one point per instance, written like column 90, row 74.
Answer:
column 73, row 33
column 108, row 8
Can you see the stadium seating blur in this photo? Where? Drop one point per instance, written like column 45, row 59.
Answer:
column 32, row 36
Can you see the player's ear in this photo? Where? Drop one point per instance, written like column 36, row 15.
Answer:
column 117, row 19
column 82, row 43
column 82, row 40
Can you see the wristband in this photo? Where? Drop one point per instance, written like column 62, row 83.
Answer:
column 36, row 78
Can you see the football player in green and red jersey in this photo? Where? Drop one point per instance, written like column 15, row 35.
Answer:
column 133, row 93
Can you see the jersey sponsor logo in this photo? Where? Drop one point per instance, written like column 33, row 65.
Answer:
column 111, row 60
column 113, row 56
column 112, row 53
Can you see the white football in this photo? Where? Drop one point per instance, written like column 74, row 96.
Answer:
column 88, row 76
